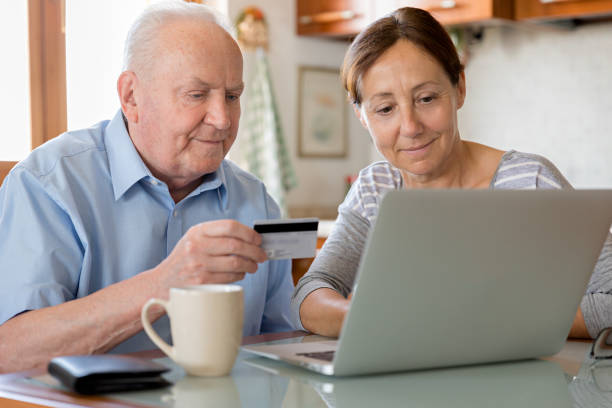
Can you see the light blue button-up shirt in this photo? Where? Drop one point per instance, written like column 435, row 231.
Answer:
column 83, row 212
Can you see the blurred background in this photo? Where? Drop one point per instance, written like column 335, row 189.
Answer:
column 538, row 80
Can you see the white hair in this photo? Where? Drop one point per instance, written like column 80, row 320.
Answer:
column 141, row 41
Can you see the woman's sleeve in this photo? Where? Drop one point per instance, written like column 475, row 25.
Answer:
column 336, row 264
column 596, row 305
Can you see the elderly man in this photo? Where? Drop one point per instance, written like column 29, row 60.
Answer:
column 97, row 221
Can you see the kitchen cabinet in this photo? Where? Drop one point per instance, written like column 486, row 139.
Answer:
column 456, row 12
column 561, row 9
column 339, row 18
column 345, row 18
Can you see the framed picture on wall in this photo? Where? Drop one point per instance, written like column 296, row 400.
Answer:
column 321, row 113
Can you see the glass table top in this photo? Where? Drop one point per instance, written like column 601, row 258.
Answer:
column 260, row 382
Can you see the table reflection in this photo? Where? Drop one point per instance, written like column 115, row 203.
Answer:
column 592, row 387
column 191, row 392
column 533, row 383
column 260, row 382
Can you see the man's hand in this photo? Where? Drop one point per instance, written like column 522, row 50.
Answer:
column 212, row 252
column 218, row 251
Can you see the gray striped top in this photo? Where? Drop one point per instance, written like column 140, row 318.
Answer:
column 336, row 265
column 515, row 171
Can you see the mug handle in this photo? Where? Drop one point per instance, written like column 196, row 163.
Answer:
column 165, row 347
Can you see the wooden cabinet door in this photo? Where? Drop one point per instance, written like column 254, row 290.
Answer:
column 342, row 18
column 5, row 167
column 300, row 266
column 346, row 18
column 453, row 12
column 555, row 9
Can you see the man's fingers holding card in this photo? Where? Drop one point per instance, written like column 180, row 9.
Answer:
column 229, row 228
column 231, row 264
column 225, row 250
column 280, row 239
column 233, row 246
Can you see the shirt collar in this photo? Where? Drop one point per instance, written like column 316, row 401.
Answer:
column 126, row 166
column 214, row 180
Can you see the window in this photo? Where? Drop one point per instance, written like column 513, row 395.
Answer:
column 47, row 41
column 15, row 140
column 95, row 33
column 41, row 76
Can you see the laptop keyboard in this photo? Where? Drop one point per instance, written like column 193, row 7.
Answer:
column 320, row 355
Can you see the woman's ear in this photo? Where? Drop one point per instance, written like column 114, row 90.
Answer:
column 461, row 90
column 360, row 116
column 126, row 88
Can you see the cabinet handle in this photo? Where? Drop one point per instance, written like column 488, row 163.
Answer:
column 553, row 1
column 328, row 17
column 443, row 5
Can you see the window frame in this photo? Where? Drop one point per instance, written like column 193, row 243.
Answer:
column 47, row 51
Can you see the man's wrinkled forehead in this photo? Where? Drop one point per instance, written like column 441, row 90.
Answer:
column 198, row 83
column 195, row 44
column 195, row 35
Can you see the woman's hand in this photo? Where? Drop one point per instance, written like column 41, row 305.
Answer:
column 323, row 310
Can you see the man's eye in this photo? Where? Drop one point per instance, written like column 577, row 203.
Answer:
column 427, row 99
column 196, row 95
column 232, row 97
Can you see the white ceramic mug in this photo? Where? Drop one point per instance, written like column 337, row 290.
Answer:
column 206, row 327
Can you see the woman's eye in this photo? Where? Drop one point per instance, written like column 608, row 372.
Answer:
column 384, row 110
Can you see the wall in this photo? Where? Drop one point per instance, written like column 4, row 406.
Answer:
column 545, row 90
column 534, row 88
column 321, row 181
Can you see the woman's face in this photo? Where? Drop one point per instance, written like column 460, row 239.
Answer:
column 409, row 106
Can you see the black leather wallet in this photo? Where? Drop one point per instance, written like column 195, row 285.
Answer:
column 95, row 374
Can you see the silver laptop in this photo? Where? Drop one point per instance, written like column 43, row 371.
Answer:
column 456, row 277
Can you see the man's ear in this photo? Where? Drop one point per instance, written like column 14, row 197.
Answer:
column 461, row 90
column 126, row 85
column 360, row 116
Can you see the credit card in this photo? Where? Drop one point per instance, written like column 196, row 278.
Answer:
column 288, row 239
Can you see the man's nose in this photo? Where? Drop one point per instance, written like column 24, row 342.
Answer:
column 217, row 114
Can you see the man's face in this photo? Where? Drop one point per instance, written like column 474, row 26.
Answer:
column 188, row 102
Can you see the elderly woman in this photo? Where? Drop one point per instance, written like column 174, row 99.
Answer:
column 406, row 84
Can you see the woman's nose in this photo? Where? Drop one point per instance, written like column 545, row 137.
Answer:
column 411, row 125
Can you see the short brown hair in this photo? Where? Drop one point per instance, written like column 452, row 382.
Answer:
column 412, row 24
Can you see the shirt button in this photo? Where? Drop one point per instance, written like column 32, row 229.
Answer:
column 175, row 213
